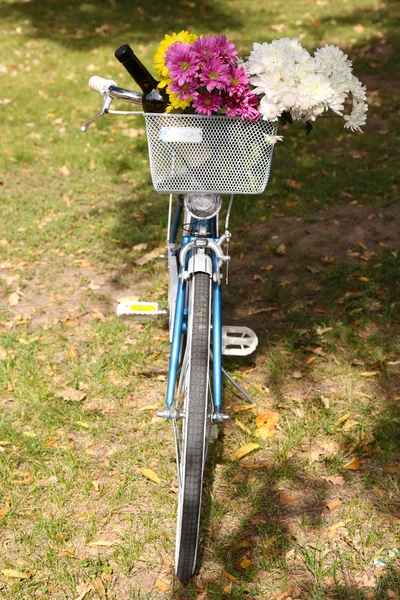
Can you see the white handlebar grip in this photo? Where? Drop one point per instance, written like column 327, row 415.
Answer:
column 99, row 84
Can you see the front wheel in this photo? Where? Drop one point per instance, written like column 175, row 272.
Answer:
column 191, row 430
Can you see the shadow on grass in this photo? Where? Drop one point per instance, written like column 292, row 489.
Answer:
column 254, row 552
column 82, row 26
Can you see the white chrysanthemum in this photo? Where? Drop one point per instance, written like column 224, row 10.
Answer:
column 358, row 116
column 306, row 66
column 297, row 53
column 317, row 87
column 289, row 100
column 289, row 79
column 357, row 89
column 268, row 110
column 254, row 64
column 304, row 102
column 272, row 139
column 331, row 60
column 337, row 104
column 265, row 83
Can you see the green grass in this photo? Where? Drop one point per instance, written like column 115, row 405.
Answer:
column 73, row 209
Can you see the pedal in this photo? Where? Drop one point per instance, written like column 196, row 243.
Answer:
column 238, row 341
column 140, row 311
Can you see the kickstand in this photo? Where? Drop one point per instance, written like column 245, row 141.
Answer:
column 237, row 386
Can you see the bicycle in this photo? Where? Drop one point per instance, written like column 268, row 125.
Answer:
column 187, row 158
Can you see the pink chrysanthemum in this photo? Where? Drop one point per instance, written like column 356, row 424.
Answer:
column 250, row 102
column 215, row 75
column 226, row 50
column 185, row 91
column 181, row 60
column 238, row 81
column 242, row 105
column 205, row 47
column 205, row 104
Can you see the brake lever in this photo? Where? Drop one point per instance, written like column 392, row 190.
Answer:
column 103, row 111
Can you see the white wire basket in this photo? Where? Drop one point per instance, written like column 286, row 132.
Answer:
column 196, row 153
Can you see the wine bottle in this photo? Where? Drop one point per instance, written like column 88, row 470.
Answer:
column 154, row 98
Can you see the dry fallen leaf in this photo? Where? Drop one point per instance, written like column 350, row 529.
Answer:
column 3, row 512
column 229, row 576
column 98, row 587
column 13, row 299
column 353, row 465
column 323, row 330
column 365, row 580
column 83, row 589
column 342, row 419
column 358, row 29
column 281, row 249
column 101, row 543
column 3, row 353
column 242, row 426
column 71, row 395
column 24, row 478
column 267, row 418
column 244, row 450
column 253, row 466
column 285, row 595
column 150, row 474
column 265, row 432
column 73, row 351
column 266, row 424
column 349, row 424
column 369, row 373
column 286, row 498
column 146, row 258
column 162, row 585
column 242, row 407
column 334, row 503
column 64, row 170
column 242, row 564
column 297, row 185
column 333, row 528
column 393, row 469
column 140, row 247
column 334, row 479
column 15, row 574
column 315, row 453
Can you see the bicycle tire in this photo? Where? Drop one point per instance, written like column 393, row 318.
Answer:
column 194, row 388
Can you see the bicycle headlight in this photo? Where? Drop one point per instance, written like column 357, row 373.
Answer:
column 203, row 206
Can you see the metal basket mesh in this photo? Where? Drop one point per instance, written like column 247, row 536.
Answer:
column 195, row 153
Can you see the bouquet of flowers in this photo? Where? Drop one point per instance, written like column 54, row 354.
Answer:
column 279, row 80
column 294, row 84
column 203, row 73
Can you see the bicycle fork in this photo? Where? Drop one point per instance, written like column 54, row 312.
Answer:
column 193, row 258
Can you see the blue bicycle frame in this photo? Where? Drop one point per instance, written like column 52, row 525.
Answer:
column 181, row 318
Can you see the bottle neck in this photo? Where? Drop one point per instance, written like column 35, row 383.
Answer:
column 142, row 77
column 136, row 68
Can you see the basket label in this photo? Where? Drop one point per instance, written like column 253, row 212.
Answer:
column 188, row 135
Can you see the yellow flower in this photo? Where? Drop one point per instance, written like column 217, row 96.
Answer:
column 164, row 82
column 177, row 102
column 159, row 57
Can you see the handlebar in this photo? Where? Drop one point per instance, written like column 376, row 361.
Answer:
column 110, row 90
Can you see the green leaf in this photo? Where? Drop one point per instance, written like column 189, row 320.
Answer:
column 308, row 127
